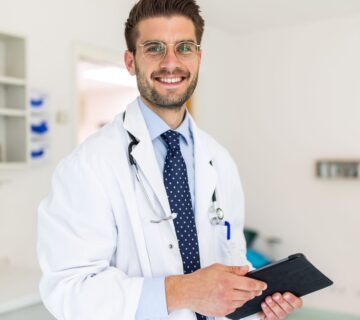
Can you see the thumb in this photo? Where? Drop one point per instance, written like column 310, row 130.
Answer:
column 239, row 270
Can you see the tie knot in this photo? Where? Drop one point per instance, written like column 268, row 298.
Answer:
column 172, row 140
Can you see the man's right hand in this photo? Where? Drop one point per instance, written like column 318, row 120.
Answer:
column 215, row 291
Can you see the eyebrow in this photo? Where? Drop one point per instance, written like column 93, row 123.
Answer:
column 155, row 40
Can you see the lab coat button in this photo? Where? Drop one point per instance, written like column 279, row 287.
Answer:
column 171, row 246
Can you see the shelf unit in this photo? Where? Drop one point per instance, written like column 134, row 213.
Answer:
column 336, row 169
column 14, row 115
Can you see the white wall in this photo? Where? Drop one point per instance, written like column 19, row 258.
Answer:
column 280, row 99
column 286, row 97
column 52, row 29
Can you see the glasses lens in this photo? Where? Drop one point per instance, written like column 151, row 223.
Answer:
column 154, row 49
column 157, row 50
column 186, row 49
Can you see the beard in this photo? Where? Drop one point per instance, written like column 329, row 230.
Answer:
column 165, row 101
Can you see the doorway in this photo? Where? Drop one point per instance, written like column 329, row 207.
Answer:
column 104, row 89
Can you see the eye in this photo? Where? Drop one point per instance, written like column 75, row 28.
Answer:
column 186, row 48
column 154, row 48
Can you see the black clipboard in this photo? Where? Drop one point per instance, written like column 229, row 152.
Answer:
column 294, row 274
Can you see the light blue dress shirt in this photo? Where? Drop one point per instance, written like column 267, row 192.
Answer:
column 156, row 126
column 152, row 302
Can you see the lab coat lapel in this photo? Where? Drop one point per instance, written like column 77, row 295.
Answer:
column 205, row 183
column 144, row 155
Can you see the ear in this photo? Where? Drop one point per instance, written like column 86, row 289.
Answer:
column 129, row 60
column 200, row 55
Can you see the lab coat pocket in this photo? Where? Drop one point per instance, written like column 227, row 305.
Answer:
column 224, row 247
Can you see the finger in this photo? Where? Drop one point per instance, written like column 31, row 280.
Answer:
column 261, row 315
column 220, row 266
column 293, row 300
column 284, row 304
column 269, row 314
column 275, row 308
column 237, row 303
column 243, row 295
column 248, row 284
column 239, row 270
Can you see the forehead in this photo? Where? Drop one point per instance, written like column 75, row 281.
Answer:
column 167, row 29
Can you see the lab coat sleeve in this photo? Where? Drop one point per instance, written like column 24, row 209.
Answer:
column 76, row 242
column 237, row 201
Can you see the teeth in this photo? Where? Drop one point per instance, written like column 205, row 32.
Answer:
column 170, row 80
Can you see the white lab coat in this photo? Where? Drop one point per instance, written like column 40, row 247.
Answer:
column 96, row 242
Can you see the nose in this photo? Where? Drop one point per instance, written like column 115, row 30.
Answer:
column 170, row 60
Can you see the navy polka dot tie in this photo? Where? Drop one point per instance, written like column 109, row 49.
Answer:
column 179, row 196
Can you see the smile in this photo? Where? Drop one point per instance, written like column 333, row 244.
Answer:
column 170, row 80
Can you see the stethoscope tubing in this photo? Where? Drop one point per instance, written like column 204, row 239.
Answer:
column 217, row 217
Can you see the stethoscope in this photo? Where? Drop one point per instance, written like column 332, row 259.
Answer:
column 216, row 214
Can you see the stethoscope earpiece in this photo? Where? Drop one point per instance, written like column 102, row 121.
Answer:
column 172, row 216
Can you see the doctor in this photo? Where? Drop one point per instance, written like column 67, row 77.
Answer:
column 130, row 229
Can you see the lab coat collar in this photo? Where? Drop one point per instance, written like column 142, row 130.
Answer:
column 205, row 184
column 144, row 154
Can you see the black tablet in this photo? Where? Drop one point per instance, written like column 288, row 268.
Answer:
column 294, row 274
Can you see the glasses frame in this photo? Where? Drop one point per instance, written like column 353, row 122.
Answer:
column 162, row 56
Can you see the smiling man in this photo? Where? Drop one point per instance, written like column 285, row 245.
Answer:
column 162, row 86
column 132, row 227
column 166, row 72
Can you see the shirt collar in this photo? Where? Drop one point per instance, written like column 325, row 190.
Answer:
column 156, row 126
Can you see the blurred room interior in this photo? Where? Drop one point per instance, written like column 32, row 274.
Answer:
column 279, row 87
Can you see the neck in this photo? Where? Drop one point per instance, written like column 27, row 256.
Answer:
column 172, row 116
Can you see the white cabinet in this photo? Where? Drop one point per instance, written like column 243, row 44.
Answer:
column 14, row 116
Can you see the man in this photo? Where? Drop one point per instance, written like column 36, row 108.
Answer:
column 125, row 231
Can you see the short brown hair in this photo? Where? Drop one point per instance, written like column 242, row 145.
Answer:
column 157, row 8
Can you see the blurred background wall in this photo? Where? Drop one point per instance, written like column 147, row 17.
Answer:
column 279, row 87
column 279, row 100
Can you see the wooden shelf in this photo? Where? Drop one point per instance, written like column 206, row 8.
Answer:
column 40, row 112
column 13, row 165
column 12, row 112
column 19, row 287
column 338, row 169
column 12, row 81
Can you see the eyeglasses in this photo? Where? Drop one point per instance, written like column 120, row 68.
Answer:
column 156, row 50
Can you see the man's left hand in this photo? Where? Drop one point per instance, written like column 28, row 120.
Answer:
column 279, row 306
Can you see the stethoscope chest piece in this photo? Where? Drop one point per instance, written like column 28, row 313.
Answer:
column 220, row 213
column 216, row 215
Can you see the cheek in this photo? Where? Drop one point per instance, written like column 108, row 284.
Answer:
column 193, row 66
column 145, row 71
column 194, row 69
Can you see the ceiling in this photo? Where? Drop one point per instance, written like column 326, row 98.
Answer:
column 240, row 16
